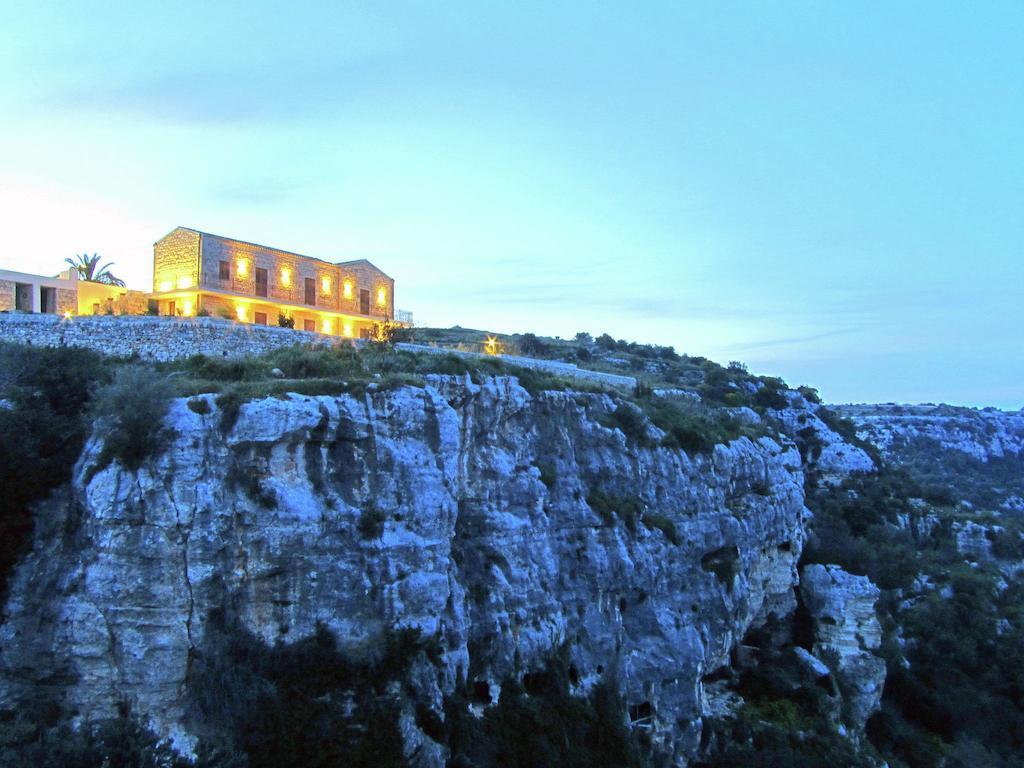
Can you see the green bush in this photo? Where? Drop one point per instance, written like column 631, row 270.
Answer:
column 131, row 410
column 304, row 703
column 222, row 368
column 43, row 425
column 609, row 507
column 661, row 523
column 548, row 474
column 371, row 523
column 199, row 405
column 538, row 722
column 119, row 741
column 628, row 420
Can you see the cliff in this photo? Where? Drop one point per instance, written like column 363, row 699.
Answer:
column 466, row 511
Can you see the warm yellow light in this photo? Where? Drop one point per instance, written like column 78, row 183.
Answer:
column 242, row 267
column 240, row 312
column 325, row 284
column 327, row 326
column 186, row 308
column 185, row 281
column 348, row 330
column 491, row 345
column 67, row 314
column 382, row 297
column 286, row 276
column 346, row 289
column 165, row 286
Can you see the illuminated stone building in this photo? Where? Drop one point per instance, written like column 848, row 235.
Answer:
column 194, row 271
column 66, row 294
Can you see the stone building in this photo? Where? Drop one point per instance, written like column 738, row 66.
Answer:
column 194, row 271
column 66, row 294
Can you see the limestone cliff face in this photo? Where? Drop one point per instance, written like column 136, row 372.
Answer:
column 846, row 634
column 457, row 508
column 982, row 434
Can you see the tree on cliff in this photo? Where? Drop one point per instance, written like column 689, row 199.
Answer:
column 89, row 268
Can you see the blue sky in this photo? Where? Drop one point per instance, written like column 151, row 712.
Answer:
column 831, row 192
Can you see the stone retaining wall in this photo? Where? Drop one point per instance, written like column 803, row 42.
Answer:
column 174, row 338
column 154, row 338
column 557, row 367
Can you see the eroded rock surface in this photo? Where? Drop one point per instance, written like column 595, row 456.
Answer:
column 457, row 508
column 846, row 634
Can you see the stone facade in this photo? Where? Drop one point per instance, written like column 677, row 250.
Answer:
column 6, row 295
column 67, row 300
column 196, row 270
column 176, row 261
column 154, row 338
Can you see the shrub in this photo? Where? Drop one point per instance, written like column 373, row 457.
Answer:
column 548, row 474
column 371, row 523
column 199, row 405
column 769, row 396
column 608, row 507
column 120, row 741
column 630, row 421
column 529, row 344
column 42, row 429
column 661, row 523
column 131, row 410
column 690, row 429
column 304, row 703
column 225, row 313
column 202, row 312
column 285, row 321
column 223, row 368
column 539, row 722
column 810, row 394
column 152, row 307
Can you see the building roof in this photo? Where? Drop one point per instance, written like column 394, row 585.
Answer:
column 279, row 250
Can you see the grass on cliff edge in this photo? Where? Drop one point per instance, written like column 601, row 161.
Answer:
column 688, row 425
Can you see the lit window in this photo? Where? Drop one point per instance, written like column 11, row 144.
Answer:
column 325, row 284
column 286, row 276
column 240, row 312
column 382, row 297
column 327, row 326
column 348, row 330
column 165, row 286
column 242, row 267
column 186, row 307
column 185, row 281
column 347, row 289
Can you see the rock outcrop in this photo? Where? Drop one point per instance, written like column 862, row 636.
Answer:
column 833, row 457
column 846, row 633
column 983, row 434
column 505, row 525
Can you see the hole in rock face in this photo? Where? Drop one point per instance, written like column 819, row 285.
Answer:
column 786, row 546
column 481, row 692
column 723, row 562
column 574, row 675
column 600, row 669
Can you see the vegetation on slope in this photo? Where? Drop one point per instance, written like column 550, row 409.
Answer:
column 953, row 639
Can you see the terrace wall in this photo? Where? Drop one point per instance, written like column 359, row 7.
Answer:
column 154, row 338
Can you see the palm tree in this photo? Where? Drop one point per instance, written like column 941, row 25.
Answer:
column 88, row 268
